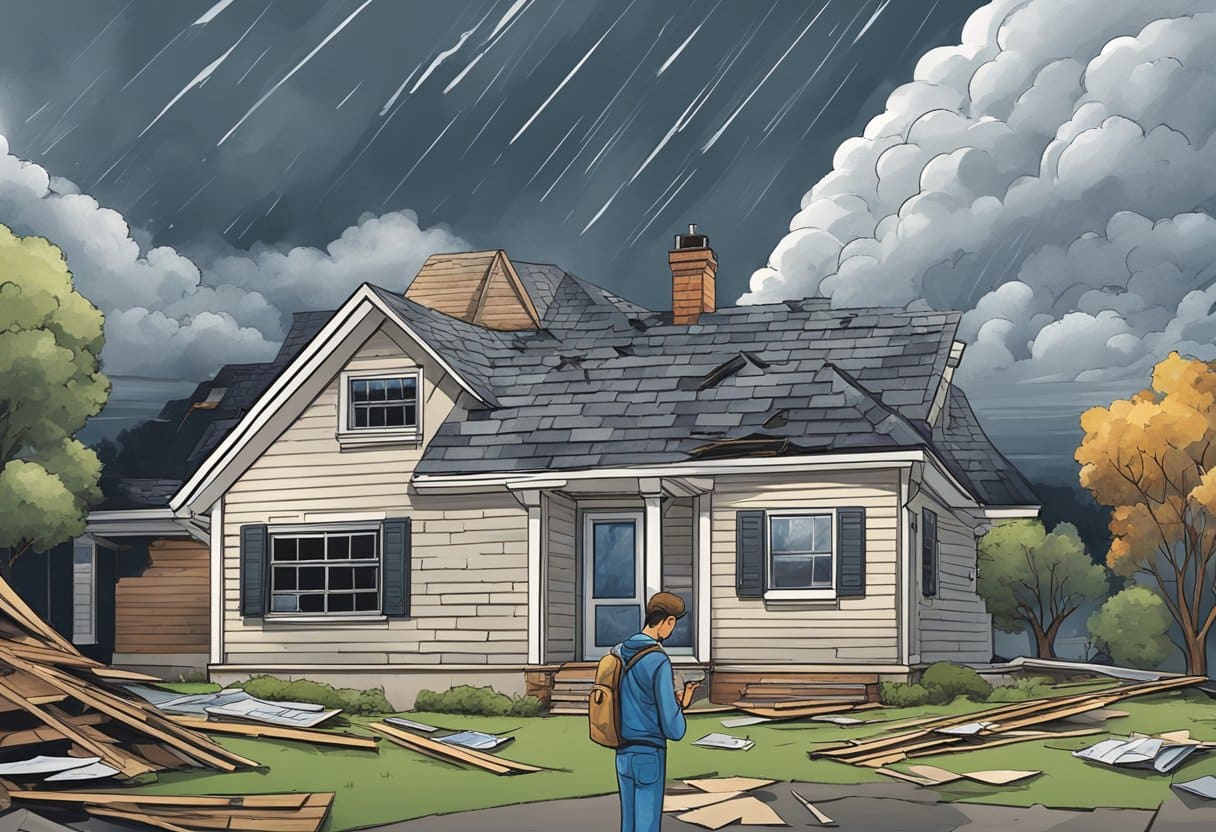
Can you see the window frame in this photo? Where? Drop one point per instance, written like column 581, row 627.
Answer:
column 348, row 434
column 806, row 594
column 311, row 530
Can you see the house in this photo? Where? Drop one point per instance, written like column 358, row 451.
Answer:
column 482, row 479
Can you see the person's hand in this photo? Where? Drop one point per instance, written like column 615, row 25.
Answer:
column 685, row 696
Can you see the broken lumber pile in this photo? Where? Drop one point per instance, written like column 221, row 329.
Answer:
column 992, row 727
column 784, row 699
column 56, row 701
column 275, row 732
column 452, row 753
column 295, row 812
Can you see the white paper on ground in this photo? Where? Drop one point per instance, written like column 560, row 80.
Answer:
column 96, row 771
column 410, row 724
column 725, row 741
column 46, row 765
column 744, row 721
column 475, row 740
column 1138, row 752
column 272, row 713
column 968, row 730
column 1205, row 787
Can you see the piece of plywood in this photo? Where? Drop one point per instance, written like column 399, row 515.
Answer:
column 486, row 762
column 745, row 811
column 278, row 733
column 728, row 784
column 819, row 815
column 687, row 801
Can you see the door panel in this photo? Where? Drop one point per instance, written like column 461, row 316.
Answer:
column 613, row 569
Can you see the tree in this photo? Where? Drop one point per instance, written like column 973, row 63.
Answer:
column 1152, row 458
column 1133, row 626
column 1032, row 580
column 50, row 384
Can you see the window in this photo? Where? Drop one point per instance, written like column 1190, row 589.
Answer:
column 325, row 572
column 800, row 551
column 380, row 407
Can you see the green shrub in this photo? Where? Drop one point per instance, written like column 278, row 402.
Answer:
column 474, row 701
column 945, row 682
column 902, row 694
column 1021, row 690
column 350, row 700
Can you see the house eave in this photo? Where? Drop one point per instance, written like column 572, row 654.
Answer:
column 145, row 522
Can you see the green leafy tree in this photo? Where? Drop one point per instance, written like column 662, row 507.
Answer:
column 1133, row 626
column 50, row 384
column 1032, row 580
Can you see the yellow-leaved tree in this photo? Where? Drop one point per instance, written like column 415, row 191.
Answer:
column 1152, row 459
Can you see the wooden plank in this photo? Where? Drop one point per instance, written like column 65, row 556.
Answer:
column 136, row 817
column 475, row 758
column 293, row 800
column 277, row 732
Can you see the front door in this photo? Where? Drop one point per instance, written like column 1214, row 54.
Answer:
column 613, row 584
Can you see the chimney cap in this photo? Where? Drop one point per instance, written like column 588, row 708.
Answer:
column 692, row 239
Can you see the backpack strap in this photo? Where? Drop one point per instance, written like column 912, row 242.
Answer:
column 639, row 655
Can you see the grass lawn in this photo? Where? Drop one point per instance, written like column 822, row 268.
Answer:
column 396, row 784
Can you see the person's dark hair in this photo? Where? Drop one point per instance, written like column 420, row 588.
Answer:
column 656, row 617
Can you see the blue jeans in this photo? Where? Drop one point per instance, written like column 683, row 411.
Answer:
column 641, row 772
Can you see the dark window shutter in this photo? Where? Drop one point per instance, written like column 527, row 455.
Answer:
column 255, row 559
column 749, row 554
column 396, row 567
column 928, row 553
column 850, row 552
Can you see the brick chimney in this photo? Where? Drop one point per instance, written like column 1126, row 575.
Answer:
column 693, row 266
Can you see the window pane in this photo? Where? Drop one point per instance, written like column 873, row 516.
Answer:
column 376, row 388
column 363, row 546
column 409, row 388
column 614, row 555
column 375, row 417
column 393, row 389
column 338, row 547
column 395, row 416
column 312, row 548
column 410, row 415
column 358, row 391
column 341, row 577
column 616, row 622
column 283, row 577
column 280, row 602
column 312, row 577
column 823, row 533
column 341, row 602
column 365, row 577
column 791, row 534
column 284, row 548
column 360, row 417
column 312, row 603
column 791, row 571
column 823, row 571
column 367, row 602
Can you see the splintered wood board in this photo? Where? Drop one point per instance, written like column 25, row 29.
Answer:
column 278, row 733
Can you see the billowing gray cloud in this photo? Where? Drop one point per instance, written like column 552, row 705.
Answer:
column 1054, row 176
column 170, row 316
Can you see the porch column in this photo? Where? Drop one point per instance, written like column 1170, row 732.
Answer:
column 701, row 568
column 531, row 500
column 216, row 582
column 652, row 495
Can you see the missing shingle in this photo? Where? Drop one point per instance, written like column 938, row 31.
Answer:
column 779, row 419
column 627, row 349
column 564, row 361
column 729, row 367
column 638, row 324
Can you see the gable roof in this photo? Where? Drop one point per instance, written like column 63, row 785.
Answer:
column 600, row 381
column 480, row 287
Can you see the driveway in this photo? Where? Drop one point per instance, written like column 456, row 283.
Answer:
column 873, row 807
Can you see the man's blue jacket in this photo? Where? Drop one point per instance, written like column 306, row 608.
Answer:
column 650, row 714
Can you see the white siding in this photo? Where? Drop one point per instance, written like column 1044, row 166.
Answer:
column 954, row 625
column 844, row 631
column 469, row 568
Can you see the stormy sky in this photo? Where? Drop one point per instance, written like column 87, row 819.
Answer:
column 210, row 167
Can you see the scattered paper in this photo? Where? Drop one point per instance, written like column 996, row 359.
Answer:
column 271, row 713
column 823, row 819
column 475, row 740
column 45, row 765
column 695, row 800
column 745, row 811
column 421, row 727
column 1138, row 752
column 1001, row 777
column 96, row 771
column 725, row 741
column 970, row 729
column 744, row 721
column 934, row 776
column 840, row 720
column 1205, row 787
column 728, row 784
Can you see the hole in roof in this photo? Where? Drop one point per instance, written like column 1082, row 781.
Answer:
column 779, row 419
column 638, row 324
column 624, row 350
column 729, row 367
column 564, row 361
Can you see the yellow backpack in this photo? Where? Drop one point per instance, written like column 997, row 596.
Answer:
column 604, row 703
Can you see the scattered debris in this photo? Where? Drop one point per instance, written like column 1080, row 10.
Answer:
column 23, row 820
column 744, row 721
column 934, row 776
column 728, row 784
column 1096, row 717
column 823, row 819
column 1139, row 751
column 411, row 725
column 936, row 736
column 1204, row 787
column 272, row 713
column 842, row 720
column 687, row 801
column 745, row 811
column 707, row 707
column 475, row 740
column 725, row 741
column 450, row 753
column 1067, row 668
column 44, row 765
column 275, row 732
column 296, row 812
column 967, row 729
column 93, row 771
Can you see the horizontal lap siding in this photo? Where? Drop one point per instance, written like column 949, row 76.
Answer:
column 469, row 553
column 561, row 576
column 844, row 631
column 954, row 625
column 677, row 549
column 166, row 609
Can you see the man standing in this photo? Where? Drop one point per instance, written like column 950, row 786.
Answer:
column 651, row 714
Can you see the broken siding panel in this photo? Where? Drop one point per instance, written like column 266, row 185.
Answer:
column 841, row 631
column 469, row 553
column 954, row 625
column 166, row 608
column 560, row 578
